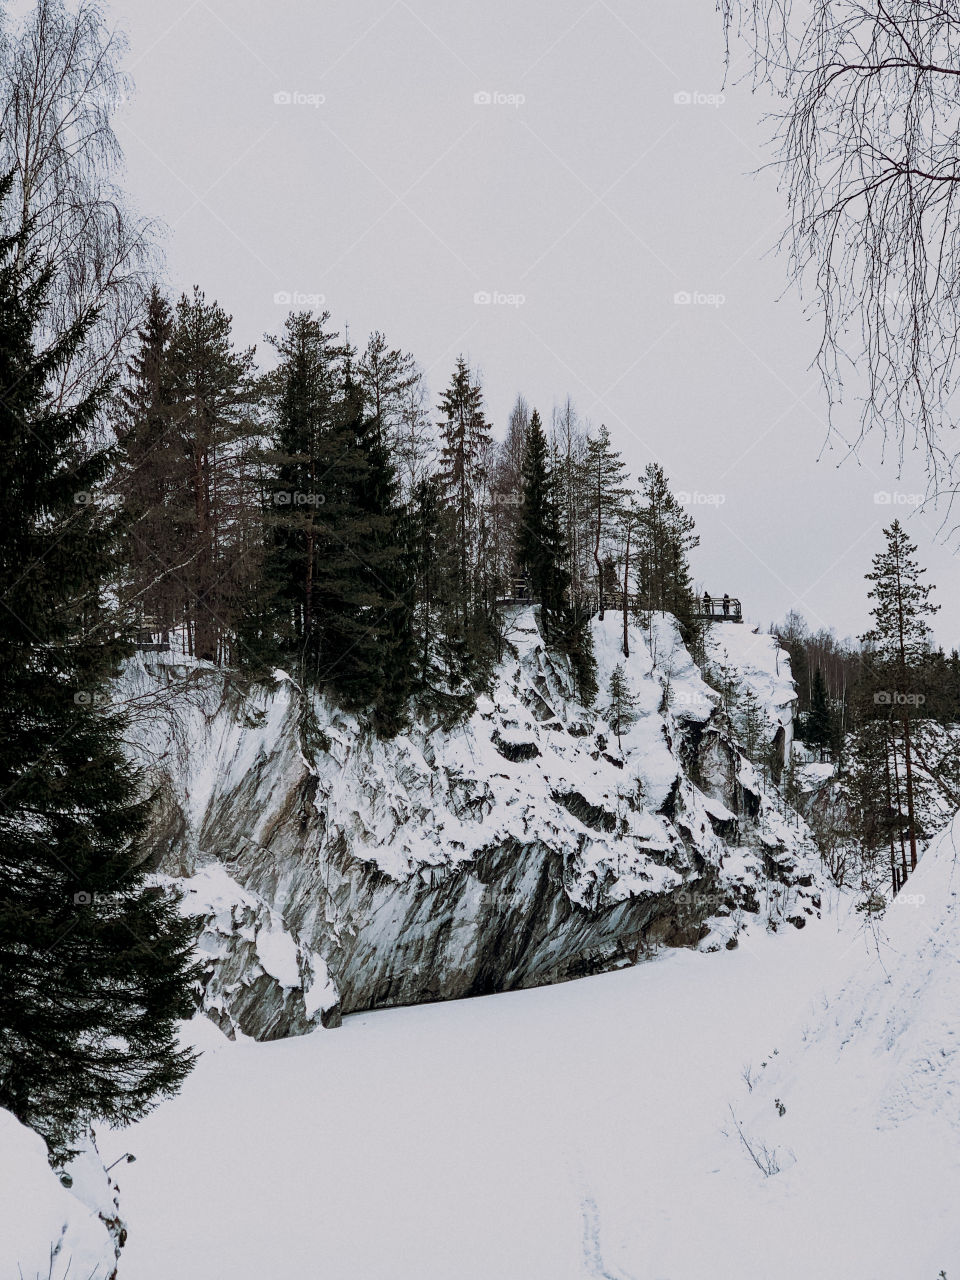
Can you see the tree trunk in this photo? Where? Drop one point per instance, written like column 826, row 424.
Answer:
column 908, row 769
column 626, row 583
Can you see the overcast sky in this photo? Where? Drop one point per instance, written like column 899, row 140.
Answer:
column 578, row 191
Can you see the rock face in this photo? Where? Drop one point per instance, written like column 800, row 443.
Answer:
column 335, row 872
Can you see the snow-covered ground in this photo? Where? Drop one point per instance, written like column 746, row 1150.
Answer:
column 585, row 1129
column 54, row 1226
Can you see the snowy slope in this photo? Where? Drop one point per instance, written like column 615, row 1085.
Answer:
column 591, row 1129
column 871, row 1086
column 522, row 847
column 581, row 1130
column 47, row 1231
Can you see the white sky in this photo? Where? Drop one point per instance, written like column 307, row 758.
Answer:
column 597, row 199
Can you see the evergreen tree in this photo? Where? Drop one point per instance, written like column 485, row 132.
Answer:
column 899, row 643
column 212, row 392
column 541, row 553
column 442, row 662
column 152, row 477
column 608, row 489
column 465, row 454
column 304, row 447
column 621, row 711
column 751, row 726
column 818, row 724
column 666, row 537
column 537, row 549
column 362, row 590
column 96, row 964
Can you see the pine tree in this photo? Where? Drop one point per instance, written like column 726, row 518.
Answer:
column 899, row 643
column 465, row 454
column 536, row 549
column 666, row 537
column 362, row 595
column 96, row 964
column 542, row 553
column 151, row 477
column 751, row 725
column 621, row 711
column 212, row 391
column 442, row 662
column 608, row 490
column 304, row 446
column 818, row 724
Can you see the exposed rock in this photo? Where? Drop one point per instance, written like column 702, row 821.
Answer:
column 336, row 872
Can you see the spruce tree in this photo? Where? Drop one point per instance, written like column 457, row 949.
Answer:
column 818, row 726
column 152, row 477
column 362, row 590
column 536, row 547
column 666, row 537
column 96, row 964
column 542, row 553
column 899, row 643
column 621, row 710
column 213, row 390
column 465, row 452
column 302, row 399
column 608, row 489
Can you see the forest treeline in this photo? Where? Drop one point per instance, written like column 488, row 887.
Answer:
column 884, row 710
column 317, row 515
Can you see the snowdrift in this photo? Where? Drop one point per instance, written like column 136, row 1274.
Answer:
column 870, row 1089
column 47, row 1230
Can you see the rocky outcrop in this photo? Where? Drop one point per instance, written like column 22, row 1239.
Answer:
column 335, row 872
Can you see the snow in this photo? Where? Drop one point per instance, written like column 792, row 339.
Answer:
column 277, row 953
column 48, row 1232
column 585, row 1129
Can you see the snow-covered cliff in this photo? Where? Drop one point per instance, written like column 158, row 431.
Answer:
column 336, row 872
